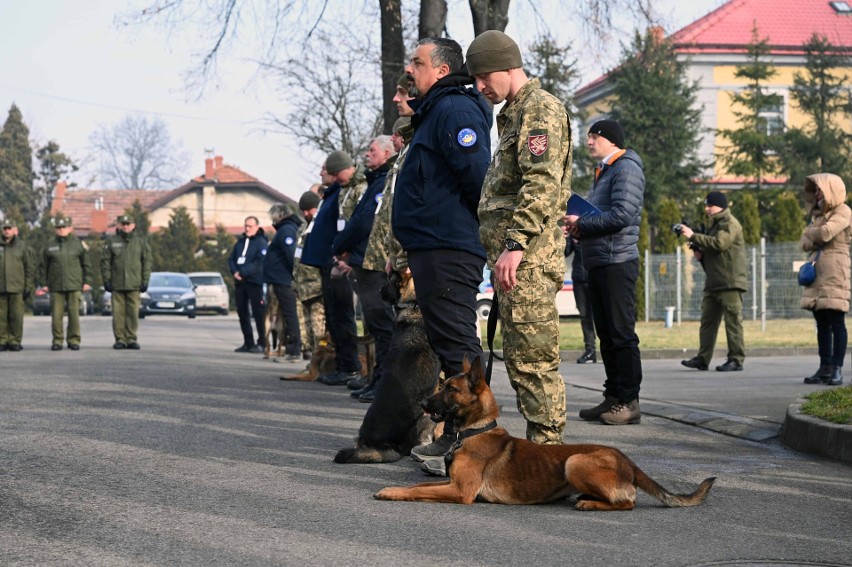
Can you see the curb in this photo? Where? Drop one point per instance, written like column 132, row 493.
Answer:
column 816, row 436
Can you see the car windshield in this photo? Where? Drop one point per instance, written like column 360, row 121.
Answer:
column 170, row 280
column 206, row 280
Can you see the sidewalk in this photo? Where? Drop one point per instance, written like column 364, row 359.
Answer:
column 761, row 403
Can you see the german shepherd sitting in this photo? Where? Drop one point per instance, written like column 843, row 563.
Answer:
column 487, row 463
column 394, row 422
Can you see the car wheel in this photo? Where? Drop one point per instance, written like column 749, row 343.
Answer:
column 483, row 308
column 141, row 315
column 191, row 315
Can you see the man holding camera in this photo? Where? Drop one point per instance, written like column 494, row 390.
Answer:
column 721, row 250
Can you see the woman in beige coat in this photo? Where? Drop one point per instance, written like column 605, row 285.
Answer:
column 828, row 297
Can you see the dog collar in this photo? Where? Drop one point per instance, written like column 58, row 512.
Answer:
column 461, row 436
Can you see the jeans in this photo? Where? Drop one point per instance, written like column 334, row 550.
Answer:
column 831, row 336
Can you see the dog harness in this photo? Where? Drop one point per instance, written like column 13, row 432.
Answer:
column 461, row 436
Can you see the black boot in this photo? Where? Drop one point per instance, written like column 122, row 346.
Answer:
column 820, row 376
column 371, row 383
column 836, row 378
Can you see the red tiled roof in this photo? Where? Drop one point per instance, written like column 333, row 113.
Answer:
column 97, row 209
column 786, row 23
column 225, row 174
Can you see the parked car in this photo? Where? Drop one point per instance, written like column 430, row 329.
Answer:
column 169, row 293
column 211, row 291
column 41, row 302
column 106, row 303
column 565, row 304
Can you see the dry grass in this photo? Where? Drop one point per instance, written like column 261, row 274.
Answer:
column 779, row 333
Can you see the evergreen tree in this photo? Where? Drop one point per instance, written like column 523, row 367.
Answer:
column 752, row 148
column 552, row 64
column 669, row 214
column 174, row 248
column 822, row 94
column 748, row 213
column 787, row 221
column 16, row 167
column 661, row 118
column 140, row 217
column 53, row 166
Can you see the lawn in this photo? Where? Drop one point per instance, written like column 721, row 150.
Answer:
column 779, row 333
column 834, row 404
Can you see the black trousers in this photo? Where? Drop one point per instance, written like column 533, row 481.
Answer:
column 248, row 293
column 831, row 336
column 378, row 314
column 613, row 293
column 292, row 338
column 446, row 282
column 583, row 299
column 340, row 320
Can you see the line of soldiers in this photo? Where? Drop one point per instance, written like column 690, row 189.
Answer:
column 66, row 272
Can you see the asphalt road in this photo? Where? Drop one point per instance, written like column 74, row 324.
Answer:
column 187, row 453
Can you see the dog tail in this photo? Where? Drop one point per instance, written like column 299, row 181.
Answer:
column 669, row 499
column 367, row 455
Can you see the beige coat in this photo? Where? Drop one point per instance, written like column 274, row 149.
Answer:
column 831, row 229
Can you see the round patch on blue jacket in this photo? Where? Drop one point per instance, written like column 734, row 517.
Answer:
column 466, row 137
column 289, row 241
column 378, row 198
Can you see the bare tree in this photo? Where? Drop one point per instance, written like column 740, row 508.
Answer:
column 138, row 153
column 433, row 18
column 393, row 56
column 333, row 94
column 489, row 15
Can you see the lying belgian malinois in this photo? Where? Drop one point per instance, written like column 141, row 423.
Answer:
column 487, row 463
column 324, row 359
column 395, row 422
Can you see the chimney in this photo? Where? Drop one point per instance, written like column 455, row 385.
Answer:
column 99, row 221
column 58, row 197
column 208, row 168
column 218, row 161
column 658, row 34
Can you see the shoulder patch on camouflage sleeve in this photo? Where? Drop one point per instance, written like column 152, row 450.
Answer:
column 537, row 142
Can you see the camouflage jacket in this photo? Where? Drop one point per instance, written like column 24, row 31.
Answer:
column 351, row 193
column 528, row 182
column 381, row 242
column 306, row 279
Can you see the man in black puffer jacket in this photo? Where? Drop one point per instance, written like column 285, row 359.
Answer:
column 246, row 265
column 611, row 256
column 278, row 272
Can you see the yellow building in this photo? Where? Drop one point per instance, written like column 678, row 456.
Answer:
column 713, row 47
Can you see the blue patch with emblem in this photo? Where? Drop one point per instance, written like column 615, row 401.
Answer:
column 378, row 198
column 466, row 137
column 289, row 241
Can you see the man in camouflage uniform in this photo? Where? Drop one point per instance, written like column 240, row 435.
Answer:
column 17, row 278
column 307, row 282
column 66, row 271
column 126, row 268
column 346, row 184
column 523, row 198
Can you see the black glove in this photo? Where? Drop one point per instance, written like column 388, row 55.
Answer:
column 143, row 288
column 108, row 287
column 26, row 294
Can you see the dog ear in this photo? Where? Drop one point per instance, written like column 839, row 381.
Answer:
column 465, row 365
column 474, row 373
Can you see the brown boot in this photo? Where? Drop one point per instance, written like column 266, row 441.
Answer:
column 595, row 413
column 623, row 413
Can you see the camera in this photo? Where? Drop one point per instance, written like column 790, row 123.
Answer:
column 678, row 228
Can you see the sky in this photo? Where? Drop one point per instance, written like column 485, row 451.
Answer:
column 69, row 66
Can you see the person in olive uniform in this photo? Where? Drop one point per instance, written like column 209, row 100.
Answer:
column 66, row 271
column 126, row 268
column 523, row 199
column 17, row 278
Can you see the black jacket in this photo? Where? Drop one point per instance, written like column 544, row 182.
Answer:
column 279, row 261
column 354, row 236
column 250, row 269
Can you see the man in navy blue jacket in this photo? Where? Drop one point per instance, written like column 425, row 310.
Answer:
column 246, row 265
column 435, row 202
column 345, row 185
column 278, row 272
column 351, row 244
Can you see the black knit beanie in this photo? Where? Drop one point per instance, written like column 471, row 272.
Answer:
column 609, row 129
column 716, row 198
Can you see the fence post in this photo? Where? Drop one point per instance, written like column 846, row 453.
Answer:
column 679, row 300
column 754, row 283
column 647, row 285
column 762, row 284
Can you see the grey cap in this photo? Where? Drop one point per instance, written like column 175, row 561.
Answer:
column 337, row 161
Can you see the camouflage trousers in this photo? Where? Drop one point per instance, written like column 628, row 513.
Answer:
column 311, row 323
column 531, row 351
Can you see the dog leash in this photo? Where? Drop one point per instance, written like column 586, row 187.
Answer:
column 461, row 436
column 491, row 329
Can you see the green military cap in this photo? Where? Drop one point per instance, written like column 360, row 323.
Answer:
column 493, row 51
column 400, row 123
column 61, row 222
column 337, row 161
column 404, row 81
column 124, row 219
column 9, row 223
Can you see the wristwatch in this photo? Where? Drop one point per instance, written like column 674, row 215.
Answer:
column 512, row 245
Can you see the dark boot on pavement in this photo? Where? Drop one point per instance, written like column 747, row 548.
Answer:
column 587, row 357
column 730, row 366
column 436, row 448
column 338, row 378
column 595, row 413
column 623, row 413
column 695, row 362
column 820, row 376
column 836, row 378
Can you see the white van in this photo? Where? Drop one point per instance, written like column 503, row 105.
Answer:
column 565, row 304
column 211, row 291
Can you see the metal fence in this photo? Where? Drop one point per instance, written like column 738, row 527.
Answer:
column 677, row 281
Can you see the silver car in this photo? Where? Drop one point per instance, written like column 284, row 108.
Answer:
column 211, row 291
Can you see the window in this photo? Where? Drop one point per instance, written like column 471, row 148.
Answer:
column 771, row 115
column 841, row 7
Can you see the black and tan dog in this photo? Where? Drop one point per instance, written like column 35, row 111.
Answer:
column 274, row 325
column 489, row 464
column 395, row 422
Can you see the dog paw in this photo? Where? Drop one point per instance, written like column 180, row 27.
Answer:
column 585, row 505
column 387, row 494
